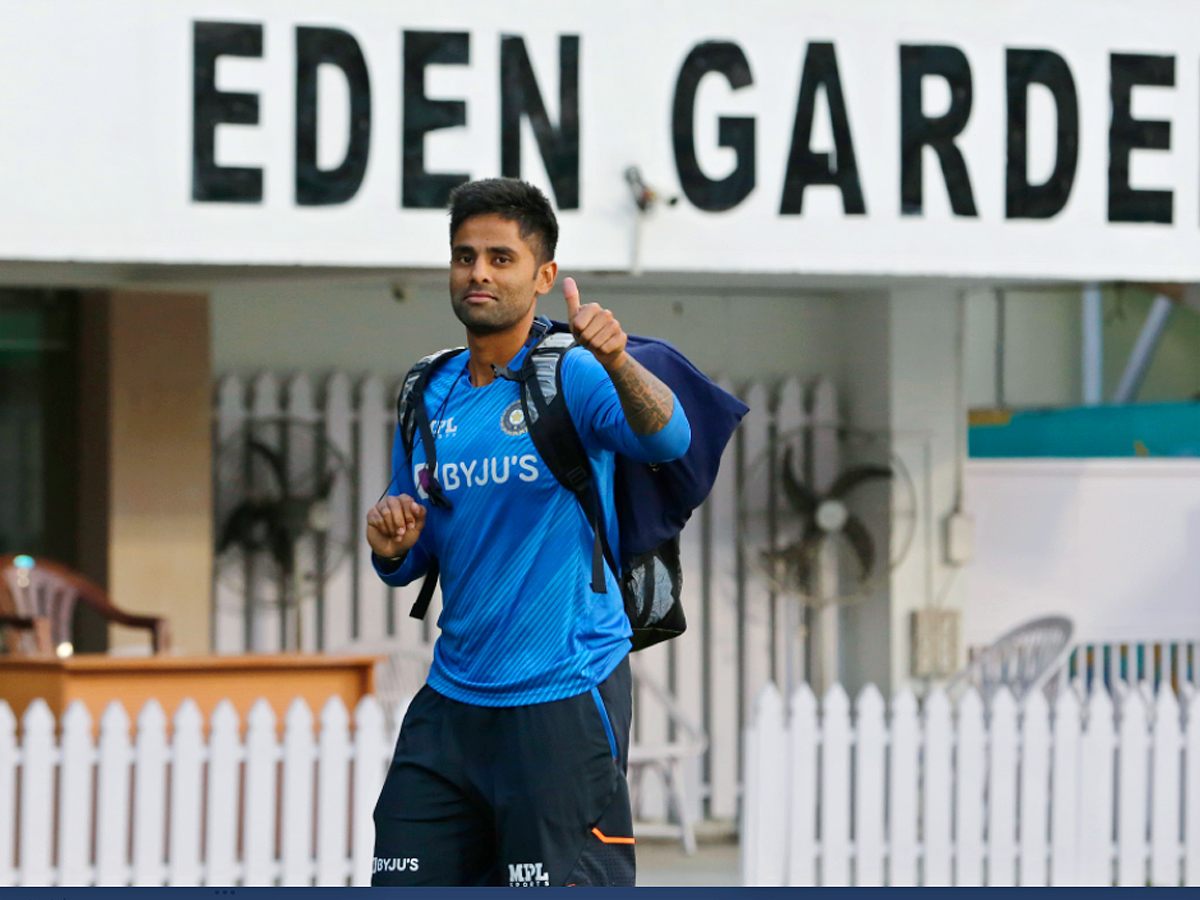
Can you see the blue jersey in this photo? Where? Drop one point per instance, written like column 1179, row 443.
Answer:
column 520, row 623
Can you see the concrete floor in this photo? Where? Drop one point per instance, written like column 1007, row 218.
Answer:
column 662, row 863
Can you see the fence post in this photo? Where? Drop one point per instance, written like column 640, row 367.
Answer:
column 869, row 778
column 223, row 778
column 1002, row 792
column 835, row 789
column 748, row 839
column 969, row 759
column 903, row 783
column 1133, row 786
column 760, row 630
column 790, row 418
column 369, row 747
column 803, row 739
column 112, row 797
column 300, row 620
column 265, row 612
column 1065, row 789
column 259, row 808
column 1167, row 791
column 75, row 797
column 939, row 775
column 229, row 591
column 768, row 762
column 337, row 610
column 37, row 784
column 373, row 469
column 332, row 792
column 149, row 795
column 296, row 848
column 1191, row 797
column 1096, row 793
column 1035, row 788
column 187, row 768
column 724, row 699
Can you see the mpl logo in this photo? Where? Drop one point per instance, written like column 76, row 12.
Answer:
column 527, row 875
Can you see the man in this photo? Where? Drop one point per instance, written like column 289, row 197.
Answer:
column 510, row 766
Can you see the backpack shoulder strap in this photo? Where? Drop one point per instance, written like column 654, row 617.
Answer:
column 410, row 404
column 557, row 441
column 413, row 419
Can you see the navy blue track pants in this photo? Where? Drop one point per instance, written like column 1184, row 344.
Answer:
column 520, row 795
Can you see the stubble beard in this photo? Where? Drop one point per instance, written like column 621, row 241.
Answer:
column 492, row 318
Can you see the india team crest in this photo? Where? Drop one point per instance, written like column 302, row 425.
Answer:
column 513, row 420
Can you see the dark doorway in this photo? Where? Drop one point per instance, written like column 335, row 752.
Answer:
column 39, row 431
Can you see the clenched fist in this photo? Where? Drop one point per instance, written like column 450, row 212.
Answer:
column 394, row 524
column 594, row 327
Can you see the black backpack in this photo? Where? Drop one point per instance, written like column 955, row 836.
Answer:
column 653, row 501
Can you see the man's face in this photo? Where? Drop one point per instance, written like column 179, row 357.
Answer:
column 495, row 276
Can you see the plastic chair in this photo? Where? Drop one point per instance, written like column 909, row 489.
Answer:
column 668, row 760
column 39, row 603
column 1023, row 660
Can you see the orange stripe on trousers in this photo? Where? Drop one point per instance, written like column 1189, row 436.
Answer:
column 612, row 840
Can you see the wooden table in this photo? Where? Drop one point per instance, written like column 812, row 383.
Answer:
column 97, row 679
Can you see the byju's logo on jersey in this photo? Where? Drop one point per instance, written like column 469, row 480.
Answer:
column 477, row 472
column 513, row 420
column 397, row 864
column 527, row 875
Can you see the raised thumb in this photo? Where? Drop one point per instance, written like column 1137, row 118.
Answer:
column 571, row 293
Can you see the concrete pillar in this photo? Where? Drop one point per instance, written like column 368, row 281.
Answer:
column 146, row 479
column 927, row 409
column 865, row 400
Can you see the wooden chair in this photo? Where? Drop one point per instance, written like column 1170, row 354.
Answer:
column 37, row 602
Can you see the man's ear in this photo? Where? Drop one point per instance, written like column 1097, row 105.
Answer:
column 546, row 274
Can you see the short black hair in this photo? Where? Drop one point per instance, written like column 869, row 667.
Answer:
column 511, row 199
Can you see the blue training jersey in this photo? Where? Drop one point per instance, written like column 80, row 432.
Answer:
column 520, row 623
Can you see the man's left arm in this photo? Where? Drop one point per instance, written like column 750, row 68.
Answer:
column 645, row 400
column 648, row 404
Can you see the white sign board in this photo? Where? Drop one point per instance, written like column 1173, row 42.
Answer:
column 1051, row 140
column 1113, row 544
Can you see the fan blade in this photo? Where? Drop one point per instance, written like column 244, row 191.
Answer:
column 863, row 544
column 852, row 478
column 281, row 545
column 235, row 526
column 274, row 461
column 799, row 495
column 326, row 487
column 239, row 527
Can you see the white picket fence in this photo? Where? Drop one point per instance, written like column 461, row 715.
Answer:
column 180, row 803
column 740, row 634
column 1079, row 793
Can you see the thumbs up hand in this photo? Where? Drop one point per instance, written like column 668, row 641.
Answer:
column 594, row 327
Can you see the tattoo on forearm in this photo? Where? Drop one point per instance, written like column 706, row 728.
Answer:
column 647, row 402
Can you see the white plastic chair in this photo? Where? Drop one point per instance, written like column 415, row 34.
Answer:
column 668, row 760
column 1023, row 660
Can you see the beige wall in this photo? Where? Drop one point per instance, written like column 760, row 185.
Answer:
column 744, row 334
column 146, row 492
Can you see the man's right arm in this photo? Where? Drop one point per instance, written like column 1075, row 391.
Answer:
column 395, row 525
